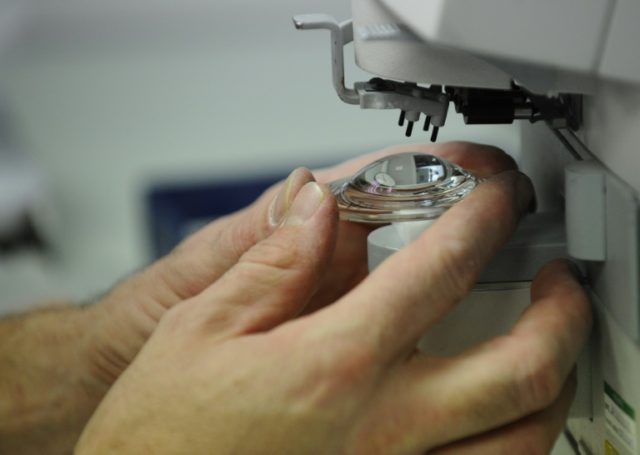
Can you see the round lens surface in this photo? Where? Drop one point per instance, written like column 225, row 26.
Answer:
column 402, row 187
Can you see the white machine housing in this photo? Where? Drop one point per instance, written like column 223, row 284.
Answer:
column 575, row 67
column 561, row 46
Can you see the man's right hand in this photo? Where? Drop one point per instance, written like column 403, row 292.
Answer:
column 231, row 370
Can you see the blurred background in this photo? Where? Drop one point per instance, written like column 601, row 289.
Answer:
column 125, row 124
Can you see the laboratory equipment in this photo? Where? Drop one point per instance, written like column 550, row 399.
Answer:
column 569, row 72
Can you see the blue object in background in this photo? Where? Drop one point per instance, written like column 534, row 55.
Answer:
column 176, row 210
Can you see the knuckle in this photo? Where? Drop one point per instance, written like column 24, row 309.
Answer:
column 243, row 231
column 355, row 361
column 344, row 368
column 174, row 320
column 269, row 264
column 277, row 255
column 336, row 373
column 191, row 319
column 456, row 264
column 540, row 382
column 503, row 205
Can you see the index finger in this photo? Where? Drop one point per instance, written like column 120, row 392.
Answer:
column 506, row 378
column 418, row 285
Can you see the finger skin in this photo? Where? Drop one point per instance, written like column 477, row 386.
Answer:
column 535, row 434
column 273, row 281
column 348, row 265
column 419, row 284
column 500, row 381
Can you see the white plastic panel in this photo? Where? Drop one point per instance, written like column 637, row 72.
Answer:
column 412, row 60
column 620, row 59
column 585, row 193
column 611, row 133
column 560, row 33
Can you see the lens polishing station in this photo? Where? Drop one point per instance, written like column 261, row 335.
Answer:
column 128, row 127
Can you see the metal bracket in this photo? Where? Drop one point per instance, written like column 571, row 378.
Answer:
column 479, row 106
column 411, row 99
column 341, row 35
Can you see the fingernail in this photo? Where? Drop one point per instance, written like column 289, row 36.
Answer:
column 283, row 200
column 305, row 204
column 524, row 193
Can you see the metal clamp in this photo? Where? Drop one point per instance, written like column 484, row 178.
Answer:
column 378, row 93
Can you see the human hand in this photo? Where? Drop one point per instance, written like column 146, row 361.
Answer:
column 127, row 315
column 228, row 370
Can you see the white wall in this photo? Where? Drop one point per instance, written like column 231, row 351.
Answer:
column 110, row 96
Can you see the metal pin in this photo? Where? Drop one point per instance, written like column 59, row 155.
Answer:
column 434, row 134
column 401, row 119
column 427, row 123
column 409, row 129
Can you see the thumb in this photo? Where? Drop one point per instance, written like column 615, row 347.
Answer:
column 274, row 280
column 207, row 254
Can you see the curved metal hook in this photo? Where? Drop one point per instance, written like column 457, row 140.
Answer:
column 341, row 34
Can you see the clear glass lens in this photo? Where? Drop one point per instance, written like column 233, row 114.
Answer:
column 402, row 187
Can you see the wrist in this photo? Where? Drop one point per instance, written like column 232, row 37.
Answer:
column 46, row 358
